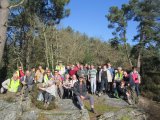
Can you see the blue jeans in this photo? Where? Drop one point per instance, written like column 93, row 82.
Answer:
column 93, row 84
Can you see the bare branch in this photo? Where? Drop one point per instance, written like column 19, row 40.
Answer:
column 16, row 5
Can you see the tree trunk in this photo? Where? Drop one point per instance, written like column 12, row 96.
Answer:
column 141, row 45
column 46, row 47
column 4, row 11
column 139, row 61
column 3, row 25
column 126, row 49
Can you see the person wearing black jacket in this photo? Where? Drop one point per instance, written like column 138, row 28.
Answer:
column 80, row 90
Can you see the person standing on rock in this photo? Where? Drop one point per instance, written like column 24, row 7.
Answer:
column 92, row 78
column 99, row 73
column 61, row 68
column 110, row 76
column 80, row 90
column 135, row 76
column 104, row 80
column 117, row 81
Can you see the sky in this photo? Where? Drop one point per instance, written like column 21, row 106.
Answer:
column 88, row 16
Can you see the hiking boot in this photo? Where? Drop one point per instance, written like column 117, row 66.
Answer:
column 99, row 94
column 129, row 101
column 81, row 108
column 92, row 110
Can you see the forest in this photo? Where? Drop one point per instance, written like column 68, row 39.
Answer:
column 30, row 36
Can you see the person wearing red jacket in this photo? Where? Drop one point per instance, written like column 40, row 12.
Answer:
column 20, row 72
column 72, row 71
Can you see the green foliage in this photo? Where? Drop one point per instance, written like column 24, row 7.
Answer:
column 151, row 85
column 145, row 54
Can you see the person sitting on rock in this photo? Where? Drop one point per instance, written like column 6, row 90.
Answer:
column 80, row 90
column 67, row 86
column 49, row 92
column 11, row 85
column 27, row 81
column 122, row 90
column 117, row 80
column 58, row 81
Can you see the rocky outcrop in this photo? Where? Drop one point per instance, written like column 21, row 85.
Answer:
column 26, row 111
column 125, row 111
column 124, row 114
column 18, row 110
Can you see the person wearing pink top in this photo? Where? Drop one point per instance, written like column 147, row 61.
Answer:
column 136, row 78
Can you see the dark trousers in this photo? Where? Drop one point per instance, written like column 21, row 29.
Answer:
column 137, row 89
column 110, row 87
column 98, row 86
column 104, row 85
column 48, row 97
column 67, row 93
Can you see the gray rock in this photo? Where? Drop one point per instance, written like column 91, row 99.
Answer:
column 124, row 113
column 31, row 115
column 24, row 111
column 7, row 115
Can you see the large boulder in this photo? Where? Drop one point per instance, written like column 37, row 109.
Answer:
column 18, row 110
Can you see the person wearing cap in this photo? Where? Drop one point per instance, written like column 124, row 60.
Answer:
column 80, row 90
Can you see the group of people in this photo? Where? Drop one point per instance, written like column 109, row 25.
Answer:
column 74, row 81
